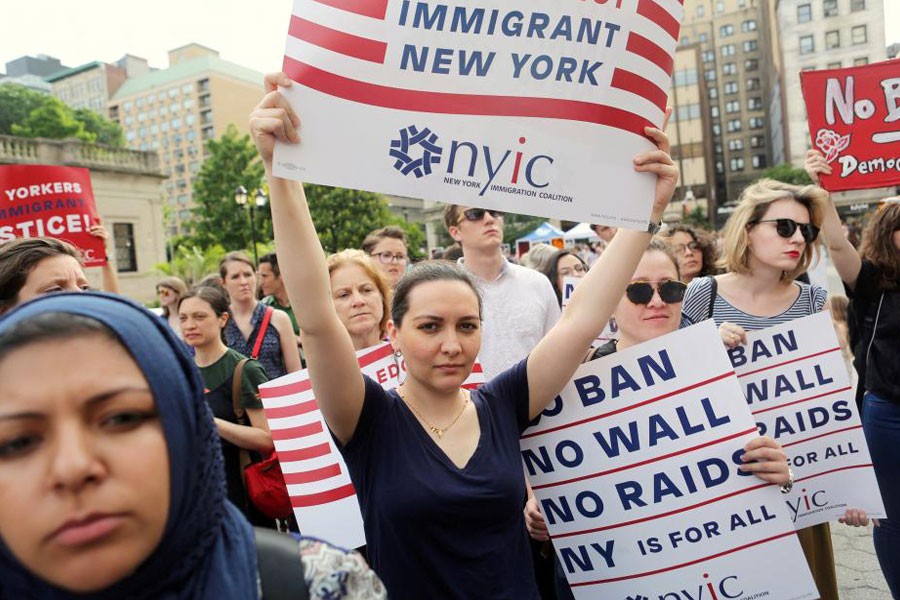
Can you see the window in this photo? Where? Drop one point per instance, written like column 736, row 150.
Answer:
column 748, row 26
column 755, row 122
column 702, row 38
column 732, row 106
column 720, row 166
column 735, row 145
column 757, row 141
column 203, row 85
column 834, row 65
column 754, row 103
column 700, row 10
column 858, row 35
column 832, row 40
column 731, row 88
column 759, row 161
column 173, row 92
column 830, row 7
column 751, row 64
column 714, row 112
column 685, row 77
column 857, row 5
column 709, row 75
column 733, row 125
column 713, row 93
column 726, row 30
column 736, row 164
column 717, row 148
column 751, row 46
column 720, row 6
column 728, row 50
column 753, row 83
column 804, row 13
column 860, row 61
column 717, row 129
column 708, row 56
column 182, row 199
column 685, row 40
column 123, row 236
column 729, row 69
column 807, row 44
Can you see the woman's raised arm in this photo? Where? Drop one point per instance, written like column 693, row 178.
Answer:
column 335, row 374
column 554, row 360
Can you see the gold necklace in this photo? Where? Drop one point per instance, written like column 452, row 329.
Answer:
column 438, row 431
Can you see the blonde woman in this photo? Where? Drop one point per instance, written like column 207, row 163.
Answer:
column 361, row 297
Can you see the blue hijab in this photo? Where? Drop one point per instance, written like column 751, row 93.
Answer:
column 207, row 549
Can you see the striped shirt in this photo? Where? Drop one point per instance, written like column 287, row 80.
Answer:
column 695, row 307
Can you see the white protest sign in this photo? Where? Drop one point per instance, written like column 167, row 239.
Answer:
column 534, row 107
column 797, row 387
column 635, row 467
column 610, row 331
column 316, row 475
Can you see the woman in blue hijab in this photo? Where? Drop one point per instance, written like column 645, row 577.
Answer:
column 111, row 474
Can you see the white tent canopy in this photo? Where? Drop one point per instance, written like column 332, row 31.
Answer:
column 582, row 231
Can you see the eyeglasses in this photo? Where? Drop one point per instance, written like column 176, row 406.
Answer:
column 163, row 291
column 389, row 257
column 680, row 248
column 786, row 228
column 569, row 271
column 641, row 292
column 477, row 214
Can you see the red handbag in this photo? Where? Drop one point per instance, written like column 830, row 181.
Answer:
column 263, row 480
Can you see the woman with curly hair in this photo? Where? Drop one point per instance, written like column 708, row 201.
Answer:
column 696, row 251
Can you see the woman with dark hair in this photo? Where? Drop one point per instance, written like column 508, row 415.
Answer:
column 111, row 471
column 872, row 280
column 203, row 313
column 31, row 267
column 437, row 469
column 170, row 291
column 696, row 251
column 388, row 248
column 563, row 264
column 254, row 329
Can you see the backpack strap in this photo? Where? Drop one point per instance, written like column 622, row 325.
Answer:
column 713, row 292
column 236, row 378
column 280, row 567
column 262, row 332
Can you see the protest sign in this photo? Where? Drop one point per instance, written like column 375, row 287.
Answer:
column 798, row 390
column 635, row 467
column 317, row 478
column 854, row 120
column 530, row 108
column 610, row 332
column 50, row 201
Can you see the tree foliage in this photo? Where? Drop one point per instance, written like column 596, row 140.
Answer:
column 231, row 162
column 344, row 217
column 28, row 113
column 788, row 174
column 193, row 263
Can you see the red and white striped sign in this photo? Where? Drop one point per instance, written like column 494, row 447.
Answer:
column 523, row 107
column 317, row 478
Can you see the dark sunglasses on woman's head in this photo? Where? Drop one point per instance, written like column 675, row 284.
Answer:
column 477, row 214
column 786, row 228
column 641, row 292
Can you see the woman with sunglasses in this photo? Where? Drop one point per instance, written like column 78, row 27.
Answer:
column 768, row 243
column 872, row 279
column 170, row 290
column 695, row 250
column 650, row 308
column 438, row 470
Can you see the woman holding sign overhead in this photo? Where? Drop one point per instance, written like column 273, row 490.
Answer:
column 872, row 279
column 437, row 469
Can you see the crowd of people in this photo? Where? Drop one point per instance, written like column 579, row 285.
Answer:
column 122, row 472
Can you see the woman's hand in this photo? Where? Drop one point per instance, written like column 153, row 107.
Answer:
column 534, row 521
column 273, row 119
column 659, row 162
column 732, row 335
column 856, row 517
column 765, row 458
column 816, row 165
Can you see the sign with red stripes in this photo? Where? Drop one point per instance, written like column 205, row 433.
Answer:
column 528, row 108
column 317, row 478
column 636, row 470
column 797, row 386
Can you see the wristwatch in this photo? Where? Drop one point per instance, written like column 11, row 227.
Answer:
column 786, row 488
column 653, row 228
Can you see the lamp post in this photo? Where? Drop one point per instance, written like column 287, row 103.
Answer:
column 241, row 197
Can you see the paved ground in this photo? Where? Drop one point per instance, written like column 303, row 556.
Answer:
column 859, row 576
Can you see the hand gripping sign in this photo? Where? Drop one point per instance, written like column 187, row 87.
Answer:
column 854, row 120
column 317, row 478
column 50, row 201
column 635, row 467
column 528, row 107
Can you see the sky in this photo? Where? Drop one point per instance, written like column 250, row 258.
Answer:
column 250, row 33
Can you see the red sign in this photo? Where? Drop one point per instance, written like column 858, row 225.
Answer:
column 854, row 120
column 50, row 201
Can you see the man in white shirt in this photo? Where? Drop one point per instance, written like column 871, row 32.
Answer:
column 519, row 304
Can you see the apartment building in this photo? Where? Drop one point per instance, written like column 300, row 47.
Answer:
column 173, row 111
column 88, row 86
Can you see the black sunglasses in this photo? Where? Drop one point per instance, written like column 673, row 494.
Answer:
column 786, row 228
column 477, row 214
column 641, row 292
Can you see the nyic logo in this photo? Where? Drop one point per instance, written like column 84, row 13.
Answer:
column 726, row 588
column 472, row 164
column 808, row 502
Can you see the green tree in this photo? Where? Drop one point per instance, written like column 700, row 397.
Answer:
column 516, row 226
column 107, row 132
column 54, row 120
column 232, row 162
column 788, row 174
column 696, row 218
column 16, row 103
column 344, row 217
column 192, row 263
